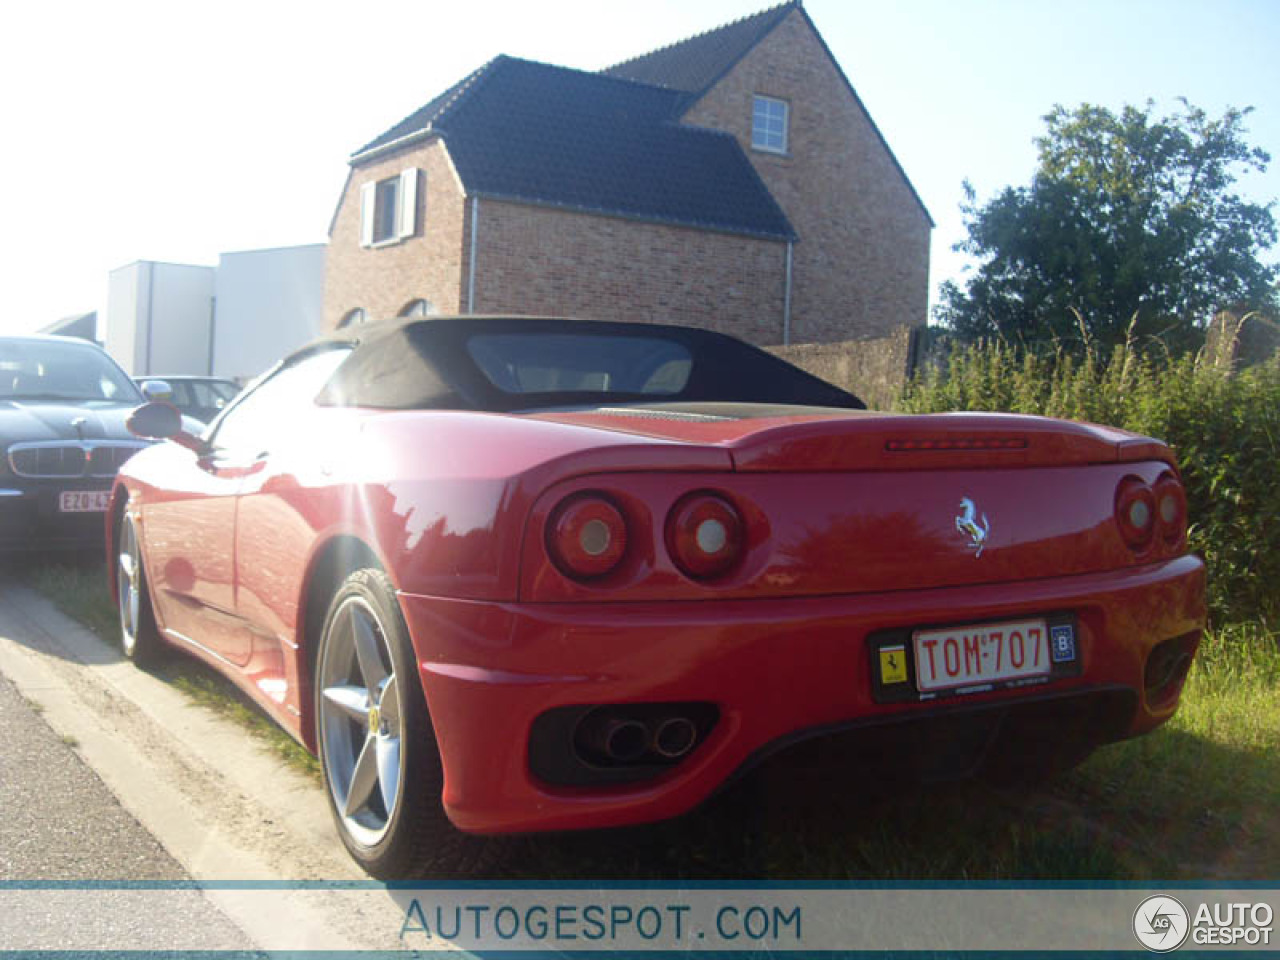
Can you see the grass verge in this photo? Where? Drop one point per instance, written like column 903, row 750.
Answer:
column 1194, row 800
column 1208, row 782
column 80, row 591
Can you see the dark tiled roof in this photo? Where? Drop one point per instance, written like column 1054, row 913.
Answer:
column 548, row 135
column 694, row 65
column 422, row 118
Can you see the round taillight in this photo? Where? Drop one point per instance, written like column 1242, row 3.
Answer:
column 704, row 535
column 1171, row 508
column 1135, row 512
column 586, row 537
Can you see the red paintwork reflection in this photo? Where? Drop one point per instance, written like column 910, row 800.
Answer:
column 844, row 535
column 827, row 533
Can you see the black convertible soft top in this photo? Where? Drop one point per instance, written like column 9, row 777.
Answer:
column 503, row 364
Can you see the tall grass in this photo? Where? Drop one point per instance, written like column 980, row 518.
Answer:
column 1225, row 429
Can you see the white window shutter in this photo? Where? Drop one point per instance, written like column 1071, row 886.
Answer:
column 368, row 199
column 408, row 202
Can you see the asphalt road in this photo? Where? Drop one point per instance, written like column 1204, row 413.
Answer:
column 61, row 822
column 109, row 774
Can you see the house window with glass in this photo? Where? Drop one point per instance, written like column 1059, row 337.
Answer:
column 389, row 209
column 769, row 124
column 386, row 212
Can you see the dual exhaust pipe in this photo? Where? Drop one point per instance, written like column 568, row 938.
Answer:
column 624, row 740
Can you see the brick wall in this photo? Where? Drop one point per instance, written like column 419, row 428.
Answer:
column 383, row 280
column 862, row 261
column 875, row 369
column 538, row 260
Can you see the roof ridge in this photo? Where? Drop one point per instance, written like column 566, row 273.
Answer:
column 465, row 87
column 593, row 74
column 695, row 36
column 453, row 97
column 449, row 100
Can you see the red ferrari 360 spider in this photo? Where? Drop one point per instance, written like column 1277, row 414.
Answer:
column 528, row 574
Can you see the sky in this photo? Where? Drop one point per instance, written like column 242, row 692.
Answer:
column 177, row 130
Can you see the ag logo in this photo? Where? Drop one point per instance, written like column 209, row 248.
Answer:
column 1161, row 924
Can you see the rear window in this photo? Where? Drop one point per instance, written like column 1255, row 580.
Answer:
column 574, row 363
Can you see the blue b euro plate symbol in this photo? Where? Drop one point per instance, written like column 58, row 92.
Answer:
column 1062, row 643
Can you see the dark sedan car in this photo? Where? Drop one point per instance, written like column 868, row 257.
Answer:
column 63, row 405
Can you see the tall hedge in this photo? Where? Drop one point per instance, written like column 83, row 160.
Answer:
column 1225, row 429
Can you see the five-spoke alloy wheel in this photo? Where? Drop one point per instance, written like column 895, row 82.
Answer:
column 363, row 729
column 377, row 749
column 139, row 637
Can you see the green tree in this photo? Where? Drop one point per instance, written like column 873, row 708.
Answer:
column 1130, row 224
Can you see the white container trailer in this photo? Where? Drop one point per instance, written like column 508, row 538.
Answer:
column 234, row 320
column 268, row 303
column 160, row 318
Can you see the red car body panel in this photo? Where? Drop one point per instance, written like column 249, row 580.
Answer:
column 815, row 534
column 776, row 668
column 851, row 529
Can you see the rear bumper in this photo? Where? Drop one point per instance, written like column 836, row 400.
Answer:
column 778, row 670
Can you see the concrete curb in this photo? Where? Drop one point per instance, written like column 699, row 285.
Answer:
column 216, row 799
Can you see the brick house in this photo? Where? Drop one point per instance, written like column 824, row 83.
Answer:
column 733, row 181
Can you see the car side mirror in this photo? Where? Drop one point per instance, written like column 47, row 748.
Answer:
column 161, row 420
column 156, row 420
column 157, row 390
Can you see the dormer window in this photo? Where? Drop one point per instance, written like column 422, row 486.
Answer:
column 769, row 124
column 389, row 209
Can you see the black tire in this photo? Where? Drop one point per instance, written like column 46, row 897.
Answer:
column 139, row 636
column 413, row 838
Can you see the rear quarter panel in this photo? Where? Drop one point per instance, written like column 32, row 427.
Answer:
column 448, row 494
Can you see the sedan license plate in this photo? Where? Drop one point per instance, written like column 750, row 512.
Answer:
column 84, row 501
column 981, row 654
